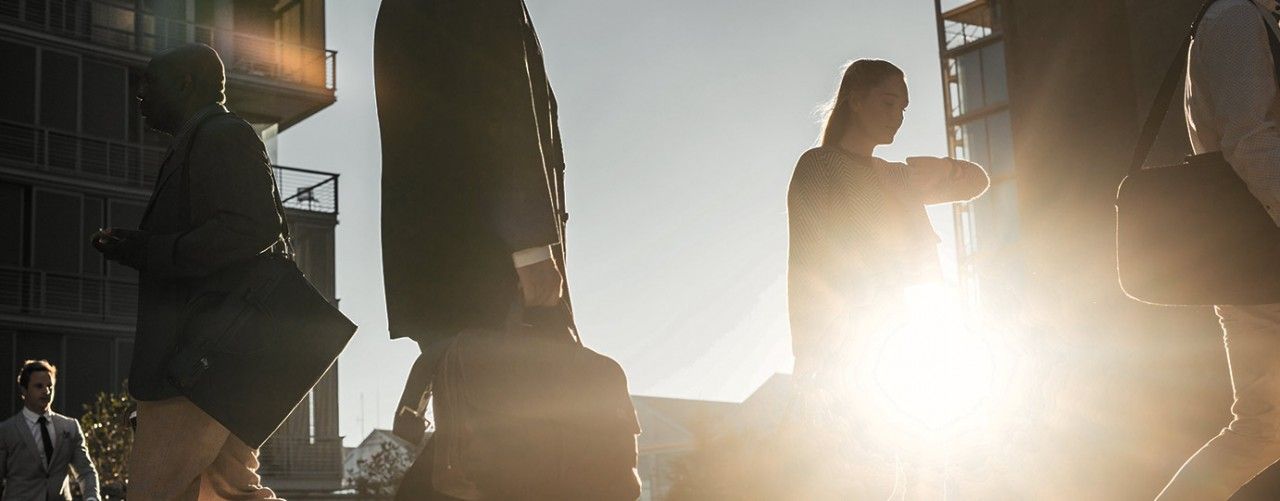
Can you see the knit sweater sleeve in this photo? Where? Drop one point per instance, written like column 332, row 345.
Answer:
column 934, row 180
column 841, row 244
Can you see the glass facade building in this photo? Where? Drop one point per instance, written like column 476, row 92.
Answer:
column 979, row 129
column 75, row 156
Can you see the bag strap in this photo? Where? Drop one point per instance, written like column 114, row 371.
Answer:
column 284, row 222
column 1164, row 97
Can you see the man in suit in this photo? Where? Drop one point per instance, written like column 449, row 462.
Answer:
column 39, row 447
column 213, row 207
column 472, row 176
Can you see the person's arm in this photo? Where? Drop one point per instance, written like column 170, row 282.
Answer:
column 933, row 180
column 86, row 473
column 1234, row 68
column 231, row 196
column 489, row 42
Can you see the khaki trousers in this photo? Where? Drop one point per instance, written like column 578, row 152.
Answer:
column 181, row 454
column 1251, row 441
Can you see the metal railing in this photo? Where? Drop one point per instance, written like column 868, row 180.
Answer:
column 300, row 457
column 68, row 295
column 307, row 190
column 121, row 163
column 970, row 23
column 136, row 166
column 126, row 28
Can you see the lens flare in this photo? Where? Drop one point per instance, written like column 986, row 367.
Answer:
column 934, row 370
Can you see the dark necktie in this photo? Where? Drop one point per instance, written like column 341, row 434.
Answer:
column 44, row 439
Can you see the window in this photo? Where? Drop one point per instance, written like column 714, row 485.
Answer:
column 977, row 79
column 105, row 94
column 59, row 89
column 995, row 89
column 996, row 215
column 968, row 69
column 87, row 372
column 56, row 244
column 8, row 368
column 18, row 82
column 13, row 206
column 987, row 141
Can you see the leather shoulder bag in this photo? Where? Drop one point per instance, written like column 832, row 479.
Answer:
column 1192, row 233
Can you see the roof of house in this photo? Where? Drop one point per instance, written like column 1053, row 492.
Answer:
column 675, row 423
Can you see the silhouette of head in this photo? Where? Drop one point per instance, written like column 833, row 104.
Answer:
column 178, row 82
column 35, row 383
column 869, row 103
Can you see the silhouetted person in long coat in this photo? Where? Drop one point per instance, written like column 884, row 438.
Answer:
column 212, row 208
column 472, row 202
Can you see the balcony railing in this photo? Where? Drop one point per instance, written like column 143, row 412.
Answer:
column 68, row 295
column 298, row 457
column 135, row 165
column 121, row 163
column 307, row 190
column 122, row 27
column 969, row 23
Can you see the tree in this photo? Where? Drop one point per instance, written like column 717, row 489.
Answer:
column 380, row 474
column 108, row 436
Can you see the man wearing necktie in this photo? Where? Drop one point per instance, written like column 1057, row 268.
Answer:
column 39, row 447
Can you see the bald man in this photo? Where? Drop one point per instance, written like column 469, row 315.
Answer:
column 213, row 206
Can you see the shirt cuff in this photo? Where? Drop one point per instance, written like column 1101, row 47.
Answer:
column 532, row 255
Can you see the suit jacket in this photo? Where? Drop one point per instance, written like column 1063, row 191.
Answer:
column 213, row 207
column 22, row 466
column 471, row 160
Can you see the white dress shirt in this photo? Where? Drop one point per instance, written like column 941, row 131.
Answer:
column 1231, row 94
column 526, row 257
column 33, row 422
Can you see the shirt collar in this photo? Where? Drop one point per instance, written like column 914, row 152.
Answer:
column 32, row 417
column 190, row 124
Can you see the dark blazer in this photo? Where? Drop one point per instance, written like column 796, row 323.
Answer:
column 213, row 207
column 471, row 160
column 22, row 465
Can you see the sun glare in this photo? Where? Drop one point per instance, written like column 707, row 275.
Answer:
column 930, row 381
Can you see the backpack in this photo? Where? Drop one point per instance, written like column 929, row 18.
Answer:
column 529, row 413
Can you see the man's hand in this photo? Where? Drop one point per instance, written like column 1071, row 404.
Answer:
column 541, row 283
column 124, row 246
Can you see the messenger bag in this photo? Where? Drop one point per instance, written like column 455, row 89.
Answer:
column 251, row 351
column 1192, row 233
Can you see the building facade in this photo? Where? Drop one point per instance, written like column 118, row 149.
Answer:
column 75, row 156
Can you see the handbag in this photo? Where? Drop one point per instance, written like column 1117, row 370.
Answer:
column 252, row 350
column 1192, row 233
column 529, row 413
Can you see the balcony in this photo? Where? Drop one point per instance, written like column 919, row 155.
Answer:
column 135, row 166
column 302, row 461
column 969, row 23
column 68, row 295
column 257, row 65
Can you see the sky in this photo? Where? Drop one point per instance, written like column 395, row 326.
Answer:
column 682, row 122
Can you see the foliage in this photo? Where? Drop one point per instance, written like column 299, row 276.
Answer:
column 380, row 474
column 109, row 437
